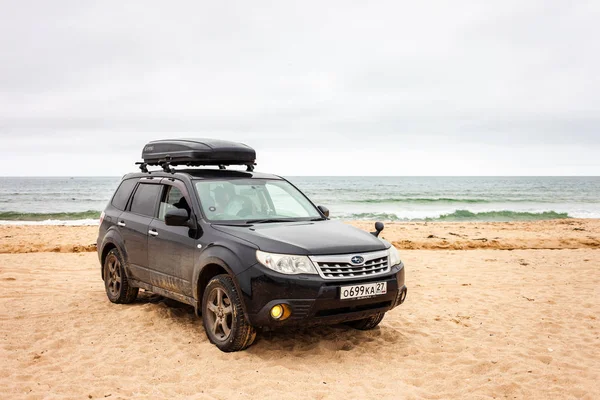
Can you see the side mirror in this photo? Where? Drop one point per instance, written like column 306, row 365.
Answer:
column 378, row 228
column 177, row 217
column 324, row 210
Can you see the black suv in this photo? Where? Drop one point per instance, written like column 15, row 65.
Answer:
column 248, row 250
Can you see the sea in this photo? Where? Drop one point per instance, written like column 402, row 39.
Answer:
column 79, row 200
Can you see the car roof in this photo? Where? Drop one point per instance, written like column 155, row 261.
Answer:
column 200, row 173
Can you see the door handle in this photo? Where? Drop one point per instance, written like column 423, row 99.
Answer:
column 152, row 232
column 121, row 223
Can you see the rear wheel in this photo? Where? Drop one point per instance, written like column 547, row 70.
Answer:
column 117, row 286
column 223, row 316
column 367, row 323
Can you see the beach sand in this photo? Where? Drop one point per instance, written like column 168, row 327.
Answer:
column 482, row 323
column 553, row 234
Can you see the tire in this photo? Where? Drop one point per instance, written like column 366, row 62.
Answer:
column 116, row 284
column 223, row 316
column 367, row 323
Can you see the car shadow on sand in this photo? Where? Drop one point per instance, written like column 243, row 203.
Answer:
column 319, row 339
column 303, row 342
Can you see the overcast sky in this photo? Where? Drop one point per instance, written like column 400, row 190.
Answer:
column 316, row 87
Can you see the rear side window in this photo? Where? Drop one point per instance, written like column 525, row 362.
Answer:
column 145, row 199
column 123, row 193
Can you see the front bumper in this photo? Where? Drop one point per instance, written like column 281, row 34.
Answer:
column 313, row 300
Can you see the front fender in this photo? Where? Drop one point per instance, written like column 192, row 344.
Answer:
column 223, row 257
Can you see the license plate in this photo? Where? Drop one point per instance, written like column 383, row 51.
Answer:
column 361, row 291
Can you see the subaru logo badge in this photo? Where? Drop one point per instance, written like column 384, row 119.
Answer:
column 357, row 260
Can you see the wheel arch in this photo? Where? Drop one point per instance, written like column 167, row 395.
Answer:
column 105, row 250
column 112, row 240
column 209, row 271
column 214, row 261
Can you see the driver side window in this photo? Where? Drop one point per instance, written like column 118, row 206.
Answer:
column 172, row 199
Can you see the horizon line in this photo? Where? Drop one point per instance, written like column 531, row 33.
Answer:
column 332, row 176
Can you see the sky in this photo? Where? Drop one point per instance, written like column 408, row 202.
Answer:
column 316, row 87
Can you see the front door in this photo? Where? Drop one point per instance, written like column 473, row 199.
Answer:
column 171, row 248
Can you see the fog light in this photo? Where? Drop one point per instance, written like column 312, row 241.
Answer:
column 401, row 296
column 277, row 311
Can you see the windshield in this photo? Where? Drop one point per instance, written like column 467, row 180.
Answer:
column 246, row 200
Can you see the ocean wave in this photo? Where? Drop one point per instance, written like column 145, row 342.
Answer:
column 59, row 216
column 458, row 215
column 74, row 222
column 427, row 200
column 505, row 215
column 465, row 215
column 371, row 216
column 453, row 200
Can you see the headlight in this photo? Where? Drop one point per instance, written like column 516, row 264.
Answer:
column 286, row 263
column 394, row 256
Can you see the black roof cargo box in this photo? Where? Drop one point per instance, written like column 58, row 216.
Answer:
column 196, row 152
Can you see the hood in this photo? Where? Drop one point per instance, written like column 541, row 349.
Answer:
column 306, row 237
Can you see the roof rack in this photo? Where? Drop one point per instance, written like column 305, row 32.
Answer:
column 143, row 167
column 166, row 167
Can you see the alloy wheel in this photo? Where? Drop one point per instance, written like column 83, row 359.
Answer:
column 219, row 314
column 113, row 276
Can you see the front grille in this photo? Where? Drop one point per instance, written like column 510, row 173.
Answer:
column 341, row 266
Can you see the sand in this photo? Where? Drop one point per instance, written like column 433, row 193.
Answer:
column 554, row 234
column 477, row 324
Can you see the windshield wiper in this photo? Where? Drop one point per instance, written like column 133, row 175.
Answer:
column 319, row 219
column 230, row 223
column 267, row 220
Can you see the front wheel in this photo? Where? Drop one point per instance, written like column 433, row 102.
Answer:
column 223, row 316
column 367, row 323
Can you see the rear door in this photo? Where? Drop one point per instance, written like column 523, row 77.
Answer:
column 116, row 206
column 171, row 248
column 134, row 223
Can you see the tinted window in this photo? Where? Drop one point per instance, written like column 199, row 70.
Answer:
column 145, row 198
column 172, row 199
column 122, row 194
